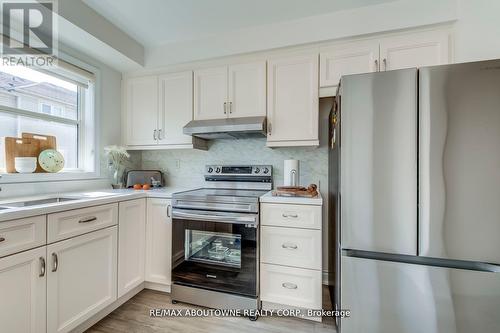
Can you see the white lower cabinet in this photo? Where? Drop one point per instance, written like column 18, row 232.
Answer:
column 291, row 256
column 82, row 277
column 159, row 241
column 291, row 286
column 131, row 244
column 23, row 292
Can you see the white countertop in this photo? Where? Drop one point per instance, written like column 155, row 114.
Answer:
column 85, row 199
column 270, row 198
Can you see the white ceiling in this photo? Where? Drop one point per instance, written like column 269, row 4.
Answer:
column 159, row 22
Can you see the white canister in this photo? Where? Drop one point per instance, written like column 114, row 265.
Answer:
column 291, row 173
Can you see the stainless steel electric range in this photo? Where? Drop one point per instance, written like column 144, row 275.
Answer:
column 215, row 233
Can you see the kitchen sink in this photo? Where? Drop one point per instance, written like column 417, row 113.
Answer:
column 35, row 202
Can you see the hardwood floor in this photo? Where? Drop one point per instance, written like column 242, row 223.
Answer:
column 133, row 317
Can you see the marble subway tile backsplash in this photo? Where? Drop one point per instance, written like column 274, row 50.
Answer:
column 186, row 168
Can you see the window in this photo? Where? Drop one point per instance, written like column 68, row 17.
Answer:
column 58, row 103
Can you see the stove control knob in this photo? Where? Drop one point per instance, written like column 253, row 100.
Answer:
column 210, row 170
column 257, row 170
column 266, row 170
column 217, row 170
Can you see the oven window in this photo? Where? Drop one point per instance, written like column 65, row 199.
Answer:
column 213, row 247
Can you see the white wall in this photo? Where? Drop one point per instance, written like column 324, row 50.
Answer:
column 477, row 31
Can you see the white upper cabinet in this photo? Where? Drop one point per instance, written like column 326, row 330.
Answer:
column 293, row 101
column 23, row 283
column 247, row 90
column 351, row 58
column 414, row 50
column 230, row 91
column 141, row 110
column 176, row 107
column 210, row 91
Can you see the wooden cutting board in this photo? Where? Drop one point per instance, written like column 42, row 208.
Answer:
column 297, row 191
column 30, row 145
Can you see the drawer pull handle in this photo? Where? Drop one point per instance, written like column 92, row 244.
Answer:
column 289, row 246
column 55, row 261
column 289, row 285
column 42, row 267
column 89, row 219
column 211, row 276
column 2, row 239
column 290, row 215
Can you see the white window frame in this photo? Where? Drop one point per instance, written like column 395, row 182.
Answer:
column 88, row 134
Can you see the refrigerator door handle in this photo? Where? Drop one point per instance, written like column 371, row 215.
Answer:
column 425, row 261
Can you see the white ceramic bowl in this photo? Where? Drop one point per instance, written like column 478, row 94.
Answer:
column 25, row 164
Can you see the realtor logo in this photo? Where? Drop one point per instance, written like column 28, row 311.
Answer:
column 28, row 32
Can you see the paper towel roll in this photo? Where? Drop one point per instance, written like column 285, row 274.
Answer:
column 291, row 173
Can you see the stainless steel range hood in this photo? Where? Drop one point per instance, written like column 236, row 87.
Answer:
column 227, row 128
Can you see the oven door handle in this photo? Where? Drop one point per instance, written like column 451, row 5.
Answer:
column 182, row 214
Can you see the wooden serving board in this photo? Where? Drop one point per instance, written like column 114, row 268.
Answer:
column 30, row 145
column 297, row 191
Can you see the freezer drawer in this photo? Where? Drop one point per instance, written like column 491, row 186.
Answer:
column 460, row 162
column 390, row 297
column 379, row 162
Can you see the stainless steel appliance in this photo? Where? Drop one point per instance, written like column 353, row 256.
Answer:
column 215, row 232
column 151, row 177
column 418, row 232
column 227, row 128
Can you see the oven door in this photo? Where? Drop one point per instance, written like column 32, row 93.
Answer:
column 215, row 250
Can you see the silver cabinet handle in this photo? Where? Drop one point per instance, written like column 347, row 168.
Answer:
column 55, row 261
column 376, row 66
column 289, row 285
column 168, row 211
column 290, row 215
column 2, row 239
column 225, row 107
column 154, row 134
column 385, row 64
column 88, row 219
column 289, row 246
column 42, row 267
column 269, row 128
column 230, row 107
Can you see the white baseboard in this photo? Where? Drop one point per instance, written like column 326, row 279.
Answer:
column 110, row 308
column 157, row 286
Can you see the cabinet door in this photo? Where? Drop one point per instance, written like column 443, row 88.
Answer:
column 131, row 245
column 352, row 58
column 81, row 278
column 293, row 101
column 142, row 110
column 176, row 107
column 159, row 241
column 23, row 292
column 247, row 90
column 210, row 93
column 414, row 50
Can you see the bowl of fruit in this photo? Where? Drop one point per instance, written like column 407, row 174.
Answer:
column 144, row 187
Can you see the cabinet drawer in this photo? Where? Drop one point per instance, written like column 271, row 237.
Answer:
column 291, row 216
column 22, row 234
column 79, row 221
column 291, row 247
column 290, row 286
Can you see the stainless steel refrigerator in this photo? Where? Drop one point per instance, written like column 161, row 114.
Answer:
column 418, row 229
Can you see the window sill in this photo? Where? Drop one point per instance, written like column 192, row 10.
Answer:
column 10, row 178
